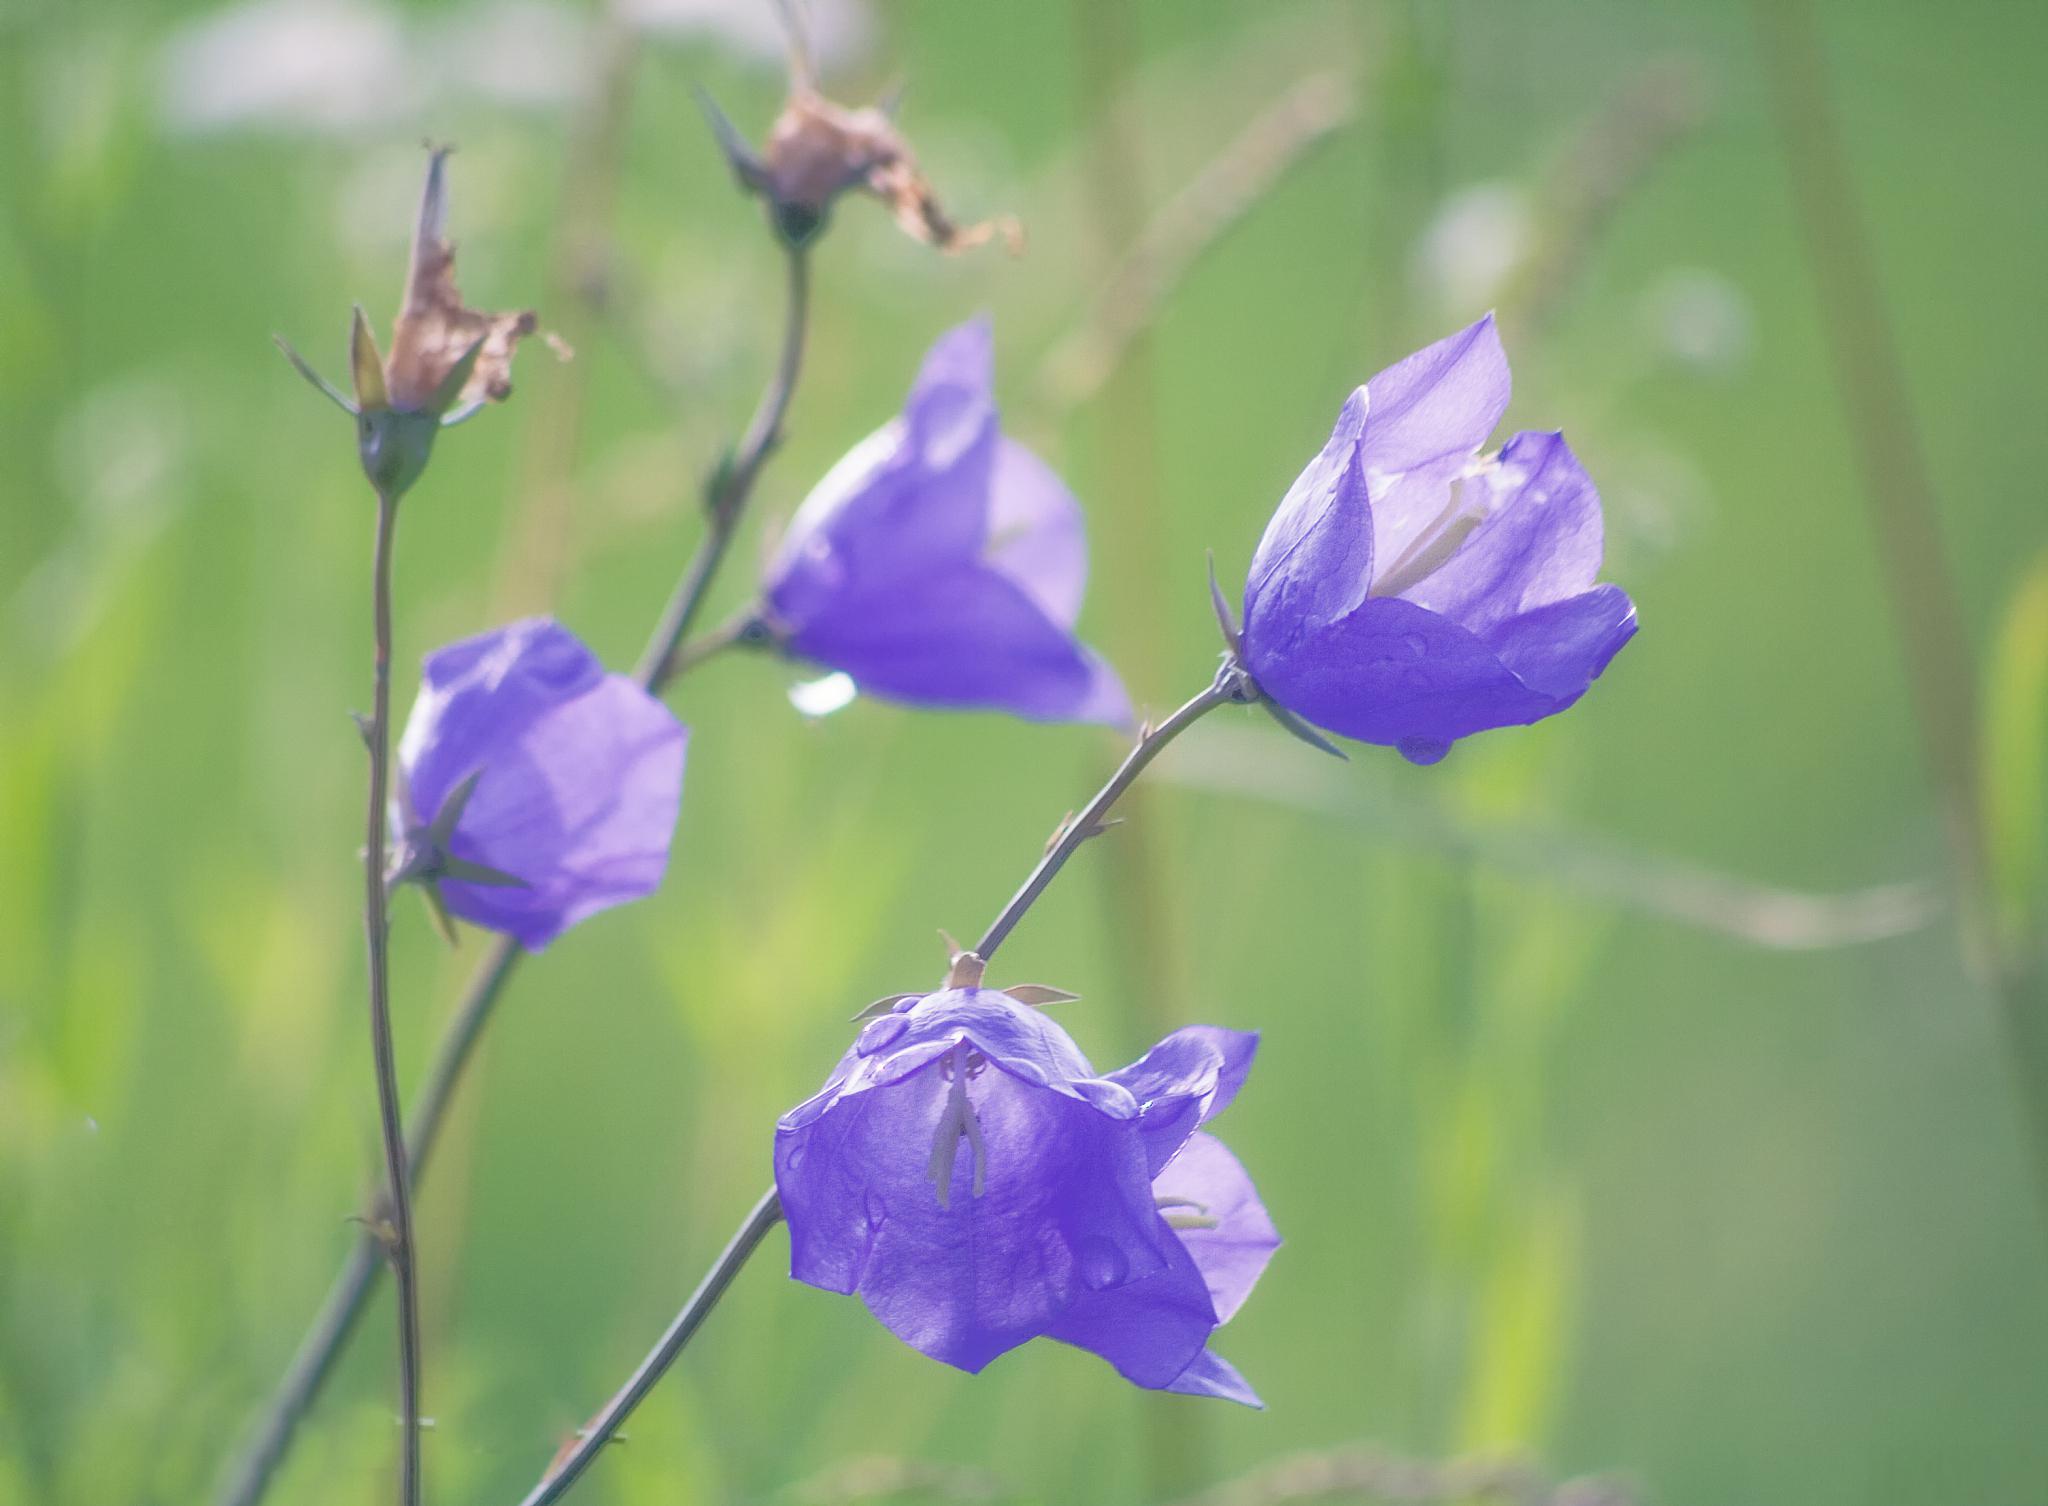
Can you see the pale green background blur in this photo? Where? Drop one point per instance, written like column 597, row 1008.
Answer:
column 1572, row 1166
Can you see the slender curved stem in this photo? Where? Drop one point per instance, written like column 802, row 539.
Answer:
column 1230, row 685
column 732, row 484
column 394, row 1226
column 765, row 1215
column 659, row 666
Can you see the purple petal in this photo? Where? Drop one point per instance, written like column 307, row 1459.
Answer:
column 965, row 636
column 1065, row 1208
column 1210, row 1374
column 1314, row 563
column 951, row 406
column 1561, row 648
column 1035, row 533
column 1233, row 1254
column 1429, row 415
column 1394, row 673
column 1540, row 542
column 1067, row 1194
column 909, row 499
column 480, row 692
column 1151, row 1329
column 579, row 778
column 1187, row 1078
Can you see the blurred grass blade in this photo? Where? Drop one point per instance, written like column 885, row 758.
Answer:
column 2013, row 747
column 1238, row 761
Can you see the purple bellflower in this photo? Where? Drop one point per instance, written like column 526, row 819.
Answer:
column 1410, row 592
column 978, row 1184
column 534, row 788
column 940, row 563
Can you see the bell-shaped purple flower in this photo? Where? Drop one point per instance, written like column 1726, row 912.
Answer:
column 978, row 1184
column 1410, row 592
column 941, row 563
column 534, row 788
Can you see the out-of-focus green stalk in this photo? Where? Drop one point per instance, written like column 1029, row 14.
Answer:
column 1905, row 523
column 1127, row 533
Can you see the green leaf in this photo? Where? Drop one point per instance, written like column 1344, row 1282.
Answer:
column 2014, row 761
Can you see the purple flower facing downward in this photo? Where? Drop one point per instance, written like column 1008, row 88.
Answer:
column 941, row 563
column 534, row 789
column 978, row 1184
column 1410, row 592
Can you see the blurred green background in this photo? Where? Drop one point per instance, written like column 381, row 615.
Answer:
column 1625, row 1099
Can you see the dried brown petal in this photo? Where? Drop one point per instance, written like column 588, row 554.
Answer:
column 818, row 150
column 434, row 330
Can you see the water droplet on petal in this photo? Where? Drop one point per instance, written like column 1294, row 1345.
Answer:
column 1423, row 750
column 1101, row 1263
column 1415, row 645
column 795, row 1158
column 877, row 1212
column 817, row 698
column 879, row 1033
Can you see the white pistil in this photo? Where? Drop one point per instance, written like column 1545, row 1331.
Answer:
column 1434, row 545
column 955, row 1121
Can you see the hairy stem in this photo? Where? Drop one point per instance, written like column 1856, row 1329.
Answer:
column 394, row 1221
column 1230, row 685
column 659, row 666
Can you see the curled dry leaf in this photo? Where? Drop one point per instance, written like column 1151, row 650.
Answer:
column 435, row 330
column 818, row 150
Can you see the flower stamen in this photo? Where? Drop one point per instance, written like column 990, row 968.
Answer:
column 956, row 1122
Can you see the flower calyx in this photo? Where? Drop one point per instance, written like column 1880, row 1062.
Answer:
column 423, row 855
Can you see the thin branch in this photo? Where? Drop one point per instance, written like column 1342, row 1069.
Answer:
column 1227, row 688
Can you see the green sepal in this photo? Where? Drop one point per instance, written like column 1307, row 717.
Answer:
column 1302, row 729
column 446, row 395
column 464, row 871
column 1225, row 618
column 317, row 382
column 437, row 911
column 1038, row 995
column 884, row 1005
column 747, row 168
column 442, row 827
column 366, row 366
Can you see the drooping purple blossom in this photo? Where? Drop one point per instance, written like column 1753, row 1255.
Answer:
column 1408, row 591
column 535, row 789
column 941, row 563
column 967, row 1172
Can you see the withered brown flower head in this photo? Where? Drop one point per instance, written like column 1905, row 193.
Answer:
column 818, row 149
column 434, row 330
